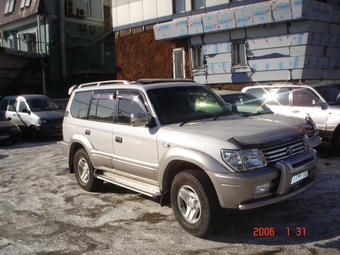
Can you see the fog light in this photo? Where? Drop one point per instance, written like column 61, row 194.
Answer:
column 261, row 188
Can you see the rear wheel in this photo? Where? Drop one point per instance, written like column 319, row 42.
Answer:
column 194, row 202
column 84, row 172
column 336, row 139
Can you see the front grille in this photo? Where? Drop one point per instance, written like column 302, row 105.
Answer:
column 276, row 153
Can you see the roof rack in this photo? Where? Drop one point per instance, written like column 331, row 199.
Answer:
column 98, row 83
column 151, row 81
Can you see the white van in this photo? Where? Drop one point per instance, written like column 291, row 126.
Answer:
column 37, row 114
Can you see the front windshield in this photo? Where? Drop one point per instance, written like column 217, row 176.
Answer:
column 330, row 93
column 183, row 104
column 246, row 105
column 42, row 104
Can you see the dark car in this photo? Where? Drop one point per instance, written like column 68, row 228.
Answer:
column 8, row 130
column 247, row 105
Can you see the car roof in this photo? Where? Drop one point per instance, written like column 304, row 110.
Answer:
column 26, row 96
column 229, row 92
column 143, row 84
column 285, row 85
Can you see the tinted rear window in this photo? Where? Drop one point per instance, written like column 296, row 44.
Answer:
column 80, row 104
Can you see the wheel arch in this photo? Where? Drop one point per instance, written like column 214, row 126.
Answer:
column 77, row 142
column 175, row 163
column 336, row 137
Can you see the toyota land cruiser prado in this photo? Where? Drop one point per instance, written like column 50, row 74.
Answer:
column 177, row 140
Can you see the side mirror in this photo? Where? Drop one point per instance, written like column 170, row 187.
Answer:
column 25, row 110
column 319, row 102
column 139, row 119
column 229, row 106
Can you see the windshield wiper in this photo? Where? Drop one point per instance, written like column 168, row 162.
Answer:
column 225, row 113
column 196, row 117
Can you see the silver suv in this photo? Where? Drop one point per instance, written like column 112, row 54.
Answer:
column 321, row 101
column 177, row 140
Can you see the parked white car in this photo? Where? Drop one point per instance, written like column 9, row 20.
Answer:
column 247, row 105
column 177, row 140
column 37, row 114
column 321, row 101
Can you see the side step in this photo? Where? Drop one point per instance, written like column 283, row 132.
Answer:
column 128, row 183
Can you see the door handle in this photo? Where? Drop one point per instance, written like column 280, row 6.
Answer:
column 295, row 111
column 87, row 132
column 118, row 139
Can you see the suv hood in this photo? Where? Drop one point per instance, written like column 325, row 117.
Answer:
column 294, row 121
column 262, row 134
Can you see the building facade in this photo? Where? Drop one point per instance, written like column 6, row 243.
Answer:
column 231, row 42
column 48, row 45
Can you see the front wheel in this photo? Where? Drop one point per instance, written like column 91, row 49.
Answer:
column 84, row 172
column 194, row 202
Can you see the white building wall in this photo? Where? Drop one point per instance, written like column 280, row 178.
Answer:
column 285, row 39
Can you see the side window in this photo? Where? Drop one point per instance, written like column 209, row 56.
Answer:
column 304, row 97
column 257, row 92
column 102, row 107
column 129, row 102
column 12, row 105
column 22, row 106
column 4, row 105
column 277, row 96
column 80, row 104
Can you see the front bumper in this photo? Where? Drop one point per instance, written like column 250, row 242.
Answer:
column 46, row 129
column 236, row 190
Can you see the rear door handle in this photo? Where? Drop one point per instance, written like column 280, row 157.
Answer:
column 87, row 132
column 295, row 111
column 118, row 139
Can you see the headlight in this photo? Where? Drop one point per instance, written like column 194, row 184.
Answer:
column 40, row 121
column 306, row 144
column 243, row 160
column 14, row 128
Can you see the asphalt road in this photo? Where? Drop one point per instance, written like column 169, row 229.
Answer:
column 43, row 211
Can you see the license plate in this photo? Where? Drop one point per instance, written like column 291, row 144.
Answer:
column 299, row 177
column 4, row 137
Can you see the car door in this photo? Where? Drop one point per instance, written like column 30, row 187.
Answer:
column 9, row 108
column 303, row 102
column 23, row 114
column 135, row 147
column 98, row 127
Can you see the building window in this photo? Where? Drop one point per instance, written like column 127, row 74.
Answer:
column 31, row 42
column 197, row 57
column 87, row 7
column 238, row 53
column 25, row 3
column 9, row 7
column 179, row 6
column 198, row 4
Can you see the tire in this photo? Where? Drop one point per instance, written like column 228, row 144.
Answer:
column 194, row 202
column 84, row 172
column 34, row 133
column 336, row 140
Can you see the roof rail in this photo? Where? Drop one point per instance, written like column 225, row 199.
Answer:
column 100, row 83
column 151, row 81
